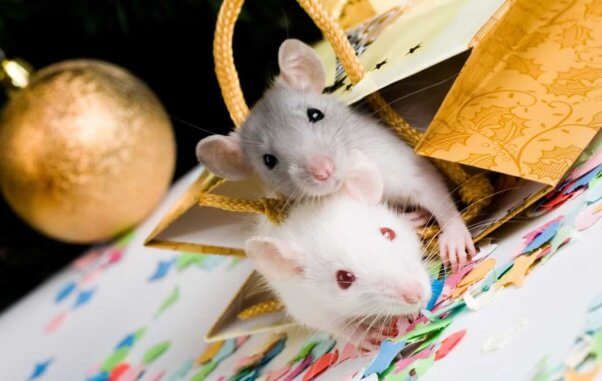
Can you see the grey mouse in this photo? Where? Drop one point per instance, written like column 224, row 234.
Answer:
column 299, row 141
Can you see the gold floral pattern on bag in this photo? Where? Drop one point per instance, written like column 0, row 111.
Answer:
column 528, row 100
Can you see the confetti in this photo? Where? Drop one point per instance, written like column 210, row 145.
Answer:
column 55, row 323
column 162, row 269
column 155, row 352
column 501, row 339
column 573, row 375
column 100, row 376
column 405, row 362
column 387, row 353
column 209, row 352
column 436, row 290
column 168, row 302
column 449, row 343
column 65, row 291
column 278, row 374
column 587, row 218
column 417, row 370
column 84, row 297
column 205, row 371
column 40, row 369
column 114, row 359
column 299, row 369
column 484, row 299
column 350, row 351
column 516, row 274
column 185, row 260
column 225, row 351
column 119, row 371
column 479, row 272
column 320, row 365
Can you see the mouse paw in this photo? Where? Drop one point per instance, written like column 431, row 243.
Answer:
column 368, row 339
column 456, row 246
column 418, row 218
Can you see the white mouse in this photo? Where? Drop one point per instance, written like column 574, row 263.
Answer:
column 344, row 264
column 299, row 141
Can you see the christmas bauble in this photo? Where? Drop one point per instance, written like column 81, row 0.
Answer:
column 86, row 151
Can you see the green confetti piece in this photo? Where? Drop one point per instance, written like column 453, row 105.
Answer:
column 235, row 261
column 205, row 371
column 304, row 352
column 597, row 346
column 425, row 329
column 185, row 260
column 543, row 372
column 114, row 359
column 155, row 352
column 125, row 239
column 168, row 302
column 139, row 333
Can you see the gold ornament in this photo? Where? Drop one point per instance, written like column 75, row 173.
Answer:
column 86, row 150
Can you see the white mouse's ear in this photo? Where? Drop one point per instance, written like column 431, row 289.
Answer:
column 223, row 156
column 300, row 67
column 272, row 257
column 364, row 182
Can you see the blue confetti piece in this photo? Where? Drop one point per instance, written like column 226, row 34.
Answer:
column 275, row 351
column 39, row 369
column 162, row 269
column 210, row 262
column 127, row 341
column 436, row 290
column 388, row 351
column 226, row 350
column 584, row 180
column 543, row 237
column 183, row 371
column 595, row 303
column 100, row 376
column 65, row 291
column 84, row 297
column 594, row 321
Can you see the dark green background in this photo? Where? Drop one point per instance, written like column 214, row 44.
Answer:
column 168, row 44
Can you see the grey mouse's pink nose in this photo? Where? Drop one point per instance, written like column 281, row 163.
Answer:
column 321, row 167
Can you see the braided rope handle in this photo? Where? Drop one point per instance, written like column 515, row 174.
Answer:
column 475, row 191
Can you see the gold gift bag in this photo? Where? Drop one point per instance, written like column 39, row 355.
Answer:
column 524, row 104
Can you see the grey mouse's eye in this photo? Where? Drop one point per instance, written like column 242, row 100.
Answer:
column 314, row 115
column 270, row 161
column 345, row 279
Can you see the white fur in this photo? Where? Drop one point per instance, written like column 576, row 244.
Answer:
column 340, row 233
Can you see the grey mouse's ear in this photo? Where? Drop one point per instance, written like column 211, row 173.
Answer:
column 223, row 156
column 300, row 67
column 272, row 257
column 364, row 182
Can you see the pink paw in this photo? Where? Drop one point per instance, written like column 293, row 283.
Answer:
column 368, row 339
column 456, row 247
column 418, row 218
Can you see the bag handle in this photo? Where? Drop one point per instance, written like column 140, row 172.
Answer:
column 227, row 76
column 475, row 191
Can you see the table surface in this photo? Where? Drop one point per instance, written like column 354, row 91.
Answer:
column 84, row 319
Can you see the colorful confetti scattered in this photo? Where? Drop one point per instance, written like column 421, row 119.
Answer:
column 40, row 369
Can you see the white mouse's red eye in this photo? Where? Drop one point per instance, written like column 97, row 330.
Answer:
column 314, row 115
column 388, row 233
column 345, row 279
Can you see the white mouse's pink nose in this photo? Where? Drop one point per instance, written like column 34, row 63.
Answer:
column 321, row 167
column 411, row 294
